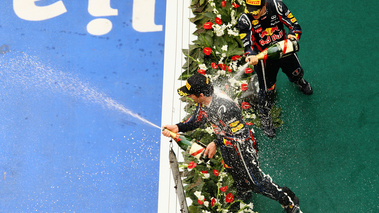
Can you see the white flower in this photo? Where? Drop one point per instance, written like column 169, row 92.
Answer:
column 253, row 116
column 224, row 48
column 197, row 194
column 205, row 211
column 213, row 4
column 233, row 32
column 219, row 29
column 223, row 54
column 225, row 211
column 221, row 60
column 221, row 72
column 242, row 205
column 206, row 175
column 206, row 203
column 233, row 65
column 203, row 66
column 223, row 174
column 233, row 22
column 209, row 130
column 250, row 205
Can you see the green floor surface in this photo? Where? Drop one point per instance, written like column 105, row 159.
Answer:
column 327, row 149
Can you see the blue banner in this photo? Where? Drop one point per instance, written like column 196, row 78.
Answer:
column 81, row 95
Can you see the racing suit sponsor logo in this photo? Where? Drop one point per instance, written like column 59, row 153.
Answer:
column 188, row 86
column 254, row 2
column 181, row 93
column 269, row 31
column 242, row 35
column 296, row 72
column 293, row 20
column 234, row 124
column 255, row 22
column 271, row 36
column 290, row 15
column 227, row 143
column 237, row 128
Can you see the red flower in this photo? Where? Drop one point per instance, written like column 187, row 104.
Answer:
column 214, row 65
column 248, row 70
column 223, row 189
column 215, row 172
column 229, row 198
column 229, row 70
column 200, row 202
column 249, row 124
column 208, row 25
column 207, row 51
column 218, row 21
column 204, row 172
column 201, row 71
column 243, row 87
column 236, row 57
column 235, row 5
column 213, row 201
column 222, row 66
column 192, row 165
column 223, row 3
column 245, row 105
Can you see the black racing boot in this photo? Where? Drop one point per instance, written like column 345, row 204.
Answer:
column 267, row 126
column 304, row 86
column 293, row 208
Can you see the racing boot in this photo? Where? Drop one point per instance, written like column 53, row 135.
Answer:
column 293, row 207
column 304, row 86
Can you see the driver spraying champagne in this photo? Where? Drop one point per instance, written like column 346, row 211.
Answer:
column 261, row 25
column 235, row 141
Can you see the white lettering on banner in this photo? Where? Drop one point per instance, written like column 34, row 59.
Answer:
column 26, row 9
column 142, row 20
column 143, row 16
column 100, row 26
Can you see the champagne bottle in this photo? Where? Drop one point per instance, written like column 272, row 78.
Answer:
column 280, row 49
column 196, row 149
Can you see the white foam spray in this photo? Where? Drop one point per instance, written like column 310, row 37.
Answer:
column 21, row 68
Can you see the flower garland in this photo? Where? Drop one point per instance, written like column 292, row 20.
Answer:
column 218, row 53
column 210, row 188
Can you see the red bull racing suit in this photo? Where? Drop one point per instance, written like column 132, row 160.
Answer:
column 238, row 147
column 258, row 34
